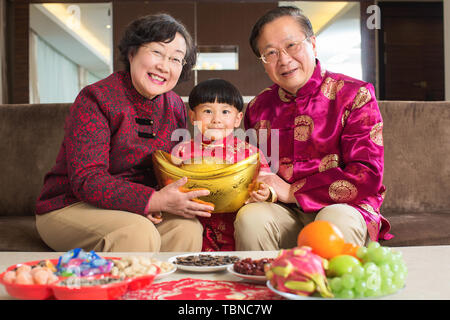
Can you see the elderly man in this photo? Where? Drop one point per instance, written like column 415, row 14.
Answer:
column 331, row 146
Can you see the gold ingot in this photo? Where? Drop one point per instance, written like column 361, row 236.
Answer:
column 228, row 184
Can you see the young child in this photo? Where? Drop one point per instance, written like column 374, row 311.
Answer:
column 216, row 110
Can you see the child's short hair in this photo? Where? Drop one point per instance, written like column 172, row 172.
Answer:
column 213, row 90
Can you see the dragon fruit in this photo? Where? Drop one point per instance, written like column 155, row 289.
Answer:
column 299, row 271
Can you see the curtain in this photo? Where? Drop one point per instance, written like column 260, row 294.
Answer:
column 85, row 77
column 32, row 75
column 56, row 77
column 3, row 79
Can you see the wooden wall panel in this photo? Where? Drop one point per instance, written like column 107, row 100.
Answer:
column 218, row 22
column 18, row 25
column 368, row 46
column 232, row 27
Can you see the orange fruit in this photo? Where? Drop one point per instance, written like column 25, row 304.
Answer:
column 323, row 237
column 350, row 249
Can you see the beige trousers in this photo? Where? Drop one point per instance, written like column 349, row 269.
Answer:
column 81, row 225
column 274, row 226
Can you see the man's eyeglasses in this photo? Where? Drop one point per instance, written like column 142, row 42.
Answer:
column 271, row 55
column 176, row 61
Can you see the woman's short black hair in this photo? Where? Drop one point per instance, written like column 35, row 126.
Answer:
column 216, row 90
column 156, row 28
column 276, row 13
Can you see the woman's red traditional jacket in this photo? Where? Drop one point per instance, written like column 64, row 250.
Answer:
column 105, row 157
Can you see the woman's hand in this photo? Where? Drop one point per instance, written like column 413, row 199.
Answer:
column 282, row 188
column 171, row 199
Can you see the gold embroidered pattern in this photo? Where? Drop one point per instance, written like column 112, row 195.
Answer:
column 250, row 104
column 298, row 185
column 376, row 134
column 304, row 126
column 330, row 87
column 369, row 209
column 328, row 162
column 286, row 169
column 344, row 117
column 362, row 97
column 265, row 125
column 264, row 90
column 342, row 191
column 283, row 95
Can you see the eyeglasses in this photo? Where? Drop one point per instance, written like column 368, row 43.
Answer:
column 271, row 55
column 176, row 61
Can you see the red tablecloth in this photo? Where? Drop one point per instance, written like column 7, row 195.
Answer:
column 197, row 289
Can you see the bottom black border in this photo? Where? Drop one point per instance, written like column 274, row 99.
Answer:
column 226, row 309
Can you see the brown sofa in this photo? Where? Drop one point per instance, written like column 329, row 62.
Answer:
column 417, row 170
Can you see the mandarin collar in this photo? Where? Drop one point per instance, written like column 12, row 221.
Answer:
column 309, row 88
column 218, row 143
column 313, row 83
column 134, row 95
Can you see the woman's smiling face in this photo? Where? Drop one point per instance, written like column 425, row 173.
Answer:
column 289, row 72
column 154, row 68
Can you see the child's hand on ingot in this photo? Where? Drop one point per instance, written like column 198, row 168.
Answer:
column 260, row 195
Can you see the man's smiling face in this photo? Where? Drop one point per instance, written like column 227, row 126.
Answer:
column 289, row 72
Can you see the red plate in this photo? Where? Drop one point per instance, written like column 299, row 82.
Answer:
column 108, row 291
column 99, row 292
column 138, row 283
column 27, row 291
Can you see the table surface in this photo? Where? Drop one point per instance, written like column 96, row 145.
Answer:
column 428, row 269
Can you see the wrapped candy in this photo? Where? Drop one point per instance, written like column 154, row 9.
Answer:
column 77, row 262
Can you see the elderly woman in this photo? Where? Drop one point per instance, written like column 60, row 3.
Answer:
column 100, row 195
column 331, row 155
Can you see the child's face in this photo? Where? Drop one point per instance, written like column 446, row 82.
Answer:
column 215, row 120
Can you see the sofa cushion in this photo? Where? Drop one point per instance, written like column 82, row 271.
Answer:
column 424, row 228
column 18, row 233
column 417, row 151
column 31, row 136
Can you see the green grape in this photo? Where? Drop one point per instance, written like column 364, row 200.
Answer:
column 399, row 280
column 370, row 268
column 358, row 272
column 347, row 294
column 360, row 287
column 378, row 255
column 386, row 271
column 402, row 268
column 386, row 283
column 361, row 253
column 395, row 267
column 358, row 295
column 341, row 265
column 372, row 276
column 336, row 284
column 348, row 281
column 387, row 286
column 396, row 256
column 373, row 245
column 373, row 293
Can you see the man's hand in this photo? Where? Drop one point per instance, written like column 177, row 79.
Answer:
column 282, row 188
